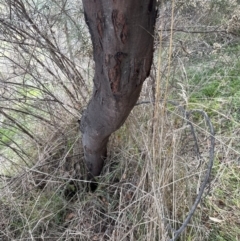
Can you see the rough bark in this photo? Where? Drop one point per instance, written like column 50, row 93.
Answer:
column 122, row 37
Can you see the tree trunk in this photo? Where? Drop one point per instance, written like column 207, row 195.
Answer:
column 122, row 33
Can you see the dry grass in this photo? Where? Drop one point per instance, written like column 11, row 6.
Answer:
column 142, row 190
column 152, row 174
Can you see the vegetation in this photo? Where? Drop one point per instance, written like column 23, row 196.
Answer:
column 153, row 172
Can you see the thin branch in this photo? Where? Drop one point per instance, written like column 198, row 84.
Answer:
column 186, row 116
column 24, row 130
column 197, row 32
column 207, row 176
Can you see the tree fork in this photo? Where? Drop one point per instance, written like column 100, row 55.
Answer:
column 122, row 33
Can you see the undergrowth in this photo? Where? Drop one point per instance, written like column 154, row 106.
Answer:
column 153, row 172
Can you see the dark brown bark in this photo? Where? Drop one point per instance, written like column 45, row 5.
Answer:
column 122, row 36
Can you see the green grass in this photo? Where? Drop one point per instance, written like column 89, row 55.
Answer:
column 216, row 88
column 224, row 203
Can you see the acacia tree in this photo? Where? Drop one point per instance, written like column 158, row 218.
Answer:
column 122, row 37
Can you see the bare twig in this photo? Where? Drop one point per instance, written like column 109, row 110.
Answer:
column 207, row 176
column 197, row 31
column 186, row 115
